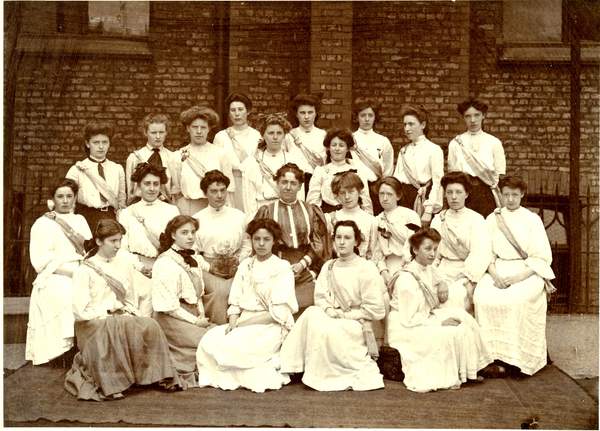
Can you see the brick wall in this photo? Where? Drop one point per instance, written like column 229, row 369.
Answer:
column 412, row 52
column 269, row 52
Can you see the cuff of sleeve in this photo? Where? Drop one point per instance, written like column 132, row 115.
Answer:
column 233, row 309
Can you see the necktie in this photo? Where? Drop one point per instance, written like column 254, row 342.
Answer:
column 187, row 257
column 155, row 158
column 101, row 173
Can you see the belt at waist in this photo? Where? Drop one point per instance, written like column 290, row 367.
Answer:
column 143, row 255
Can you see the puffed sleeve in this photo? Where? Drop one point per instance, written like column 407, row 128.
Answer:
column 121, row 195
column 407, row 301
column 227, row 169
column 73, row 174
column 314, row 187
column 453, row 159
column 41, row 245
column 237, row 287
column 435, row 200
column 499, row 157
column 81, row 294
column 539, row 252
column 249, row 191
column 165, row 286
column 82, row 227
column 129, row 166
column 387, row 156
column 323, row 296
column 123, row 218
column 172, row 171
column 372, row 288
column 480, row 249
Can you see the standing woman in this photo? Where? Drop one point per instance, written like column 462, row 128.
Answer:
column 155, row 128
column 239, row 140
column 258, row 172
column 222, row 241
column 479, row 155
column 332, row 342
column 306, row 140
column 390, row 247
column 177, row 290
column 338, row 145
column 245, row 352
column 375, row 148
column 198, row 157
column 420, row 167
column 55, row 249
column 117, row 347
column 101, row 182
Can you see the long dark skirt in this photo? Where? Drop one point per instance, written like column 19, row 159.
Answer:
column 94, row 215
column 409, row 194
column 374, row 195
column 183, row 339
column 481, row 198
column 116, row 353
column 304, row 282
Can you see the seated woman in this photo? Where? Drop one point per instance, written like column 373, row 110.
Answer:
column 333, row 341
column 177, row 290
column 510, row 299
column 245, row 352
column 55, row 249
column 258, row 171
column 390, row 245
column 101, row 182
column 439, row 348
column 347, row 188
column 338, row 145
column 117, row 347
column 222, row 241
column 239, row 140
column 465, row 250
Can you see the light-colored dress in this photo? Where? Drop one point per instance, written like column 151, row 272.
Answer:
column 391, row 249
column 117, row 347
column 366, row 224
column 513, row 320
column 464, row 253
column 332, row 352
column 311, row 140
column 221, row 238
column 239, row 144
column 262, row 294
column 319, row 189
column 378, row 146
column 433, row 356
column 50, row 328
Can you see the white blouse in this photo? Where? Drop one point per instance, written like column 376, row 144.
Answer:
column 311, row 139
column 155, row 216
column 247, row 139
column 378, row 146
column 142, row 155
column 366, row 224
column 222, row 231
column 170, row 283
column 88, row 193
column 487, row 147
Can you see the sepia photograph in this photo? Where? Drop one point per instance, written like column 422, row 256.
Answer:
column 301, row 214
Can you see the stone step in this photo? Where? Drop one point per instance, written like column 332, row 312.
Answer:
column 16, row 314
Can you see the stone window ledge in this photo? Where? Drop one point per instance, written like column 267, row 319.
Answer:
column 82, row 45
column 546, row 53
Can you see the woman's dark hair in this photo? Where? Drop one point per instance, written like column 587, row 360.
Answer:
column 64, row 182
column 513, row 182
column 417, row 238
column 105, row 228
column 272, row 120
column 289, row 167
column 166, row 238
column 144, row 168
column 472, row 102
column 346, row 180
column 419, row 112
column 303, row 99
column 270, row 225
column 214, row 176
column 361, row 104
column 456, row 178
column 239, row 97
column 205, row 113
column 94, row 128
column 343, row 134
column 155, row 119
column 357, row 234
column 392, row 182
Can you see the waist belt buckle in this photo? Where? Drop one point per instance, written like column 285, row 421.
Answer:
column 104, row 209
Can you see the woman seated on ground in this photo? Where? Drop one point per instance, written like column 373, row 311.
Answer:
column 245, row 352
column 510, row 299
column 55, row 249
column 177, row 290
column 258, row 171
column 465, row 250
column 338, row 144
column 221, row 239
column 333, row 342
column 390, row 247
column 439, row 348
column 347, row 188
column 117, row 347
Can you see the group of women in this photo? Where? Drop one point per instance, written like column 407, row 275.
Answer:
column 267, row 253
